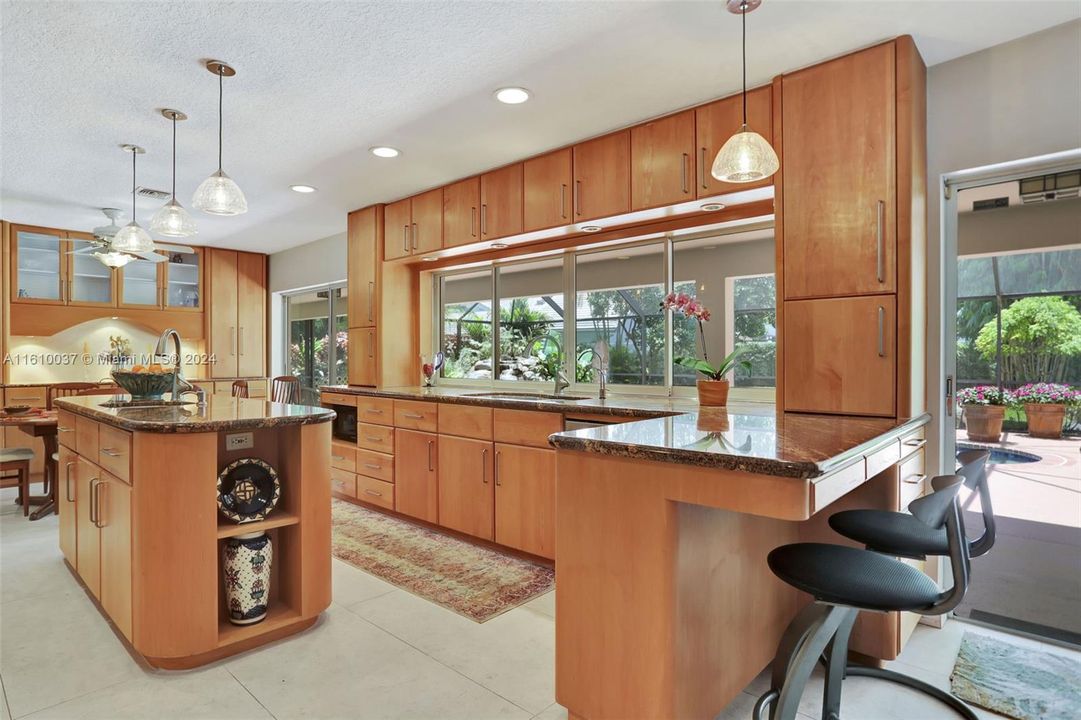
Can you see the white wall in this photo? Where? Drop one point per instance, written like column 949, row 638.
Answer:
column 1012, row 101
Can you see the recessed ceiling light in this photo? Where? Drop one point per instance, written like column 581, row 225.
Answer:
column 623, row 257
column 512, row 95
column 429, row 258
column 302, row 188
column 713, row 207
column 498, row 245
column 591, row 228
column 384, row 151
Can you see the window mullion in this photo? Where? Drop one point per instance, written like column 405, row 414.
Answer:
column 570, row 318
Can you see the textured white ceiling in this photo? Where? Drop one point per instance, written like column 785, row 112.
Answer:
column 320, row 82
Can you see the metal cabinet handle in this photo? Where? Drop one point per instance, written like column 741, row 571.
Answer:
column 67, row 481
column 915, row 442
column 373, row 411
column 112, row 452
column 373, row 438
column 431, row 464
column 683, row 174
column 232, row 340
column 337, row 457
column 414, row 236
column 61, row 428
column 240, row 340
column 371, row 344
column 405, row 239
column 702, row 170
column 371, row 299
column 483, row 218
column 370, row 466
column 881, row 331
column 498, row 455
column 949, row 395
column 97, row 503
column 577, row 197
column 93, row 509
column 880, row 260
column 26, row 399
column 484, row 466
column 563, row 200
column 473, row 221
column 915, row 479
column 375, row 493
column 412, row 416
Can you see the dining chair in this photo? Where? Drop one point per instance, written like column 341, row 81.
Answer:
column 285, row 389
column 17, row 460
column 240, row 388
column 65, row 389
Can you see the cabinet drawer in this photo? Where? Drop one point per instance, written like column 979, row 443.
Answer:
column 882, row 458
column 32, row 396
column 525, row 427
column 343, row 482
column 913, row 441
column 375, row 410
column 343, row 456
column 114, row 451
column 831, row 487
column 376, row 465
column 376, row 437
column 913, row 479
column 413, row 415
column 65, row 429
column 330, row 398
column 465, row 421
column 375, row 492
column 86, row 437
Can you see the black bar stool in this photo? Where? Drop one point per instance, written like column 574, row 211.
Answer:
column 844, row 580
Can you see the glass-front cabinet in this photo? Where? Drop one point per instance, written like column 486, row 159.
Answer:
column 181, row 281
column 38, row 265
column 89, row 282
column 139, row 284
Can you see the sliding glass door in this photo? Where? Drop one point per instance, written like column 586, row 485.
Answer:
column 316, row 339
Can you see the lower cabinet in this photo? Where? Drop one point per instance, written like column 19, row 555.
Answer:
column 362, row 358
column 416, row 476
column 65, row 505
column 87, row 476
column 466, row 490
column 525, row 499
column 114, row 524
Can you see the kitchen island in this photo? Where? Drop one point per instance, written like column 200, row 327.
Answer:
column 140, row 526
column 665, row 606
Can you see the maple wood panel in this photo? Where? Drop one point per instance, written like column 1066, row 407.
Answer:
column 461, row 212
column 375, row 437
column 116, row 552
column 525, row 499
column 465, row 421
column 397, row 224
column 375, row 491
column 221, row 269
column 602, row 176
column 547, row 184
column 718, row 121
column 663, row 161
column 364, row 235
column 525, row 427
column 466, row 487
column 416, row 477
column 501, row 202
column 88, row 537
column 427, row 230
column 66, row 504
column 362, row 363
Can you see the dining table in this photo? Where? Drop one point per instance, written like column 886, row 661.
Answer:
column 43, row 424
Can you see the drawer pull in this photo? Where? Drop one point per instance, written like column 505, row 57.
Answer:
column 915, row 442
column 61, row 428
column 373, row 438
column 373, row 411
column 413, row 416
column 914, row 479
column 375, row 493
column 337, row 457
column 370, row 466
column 112, row 452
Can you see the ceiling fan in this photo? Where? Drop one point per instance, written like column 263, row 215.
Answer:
column 101, row 246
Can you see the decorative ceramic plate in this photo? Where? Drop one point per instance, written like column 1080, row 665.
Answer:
column 14, row 410
column 248, row 489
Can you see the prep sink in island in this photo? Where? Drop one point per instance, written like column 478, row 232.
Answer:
column 140, row 525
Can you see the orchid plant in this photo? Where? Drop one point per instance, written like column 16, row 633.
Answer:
column 689, row 306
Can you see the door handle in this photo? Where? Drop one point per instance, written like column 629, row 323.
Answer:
column 414, row 236
column 371, row 298
column 232, row 340
column 61, row 428
column 683, row 174
column 484, row 466
column 370, row 466
column 915, row 479
column 881, row 331
column 97, row 502
column 473, row 221
column 498, row 455
column 93, row 509
column 112, row 452
column 373, row 438
column 337, row 457
column 371, row 344
column 240, row 340
column 405, row 239
column 563, row 200
column 949, row 395
column 483, row 218
column 880, row 260
column 577, row 197
column 412, row 416
column 702, row 169
column 376, row 493
column 67, row 481
column 431, row 463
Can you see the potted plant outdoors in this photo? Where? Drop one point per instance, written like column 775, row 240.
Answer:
column 1045, row 407
column 985, row 408
column 713, row 390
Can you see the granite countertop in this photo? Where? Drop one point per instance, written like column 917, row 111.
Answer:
column 220, row 413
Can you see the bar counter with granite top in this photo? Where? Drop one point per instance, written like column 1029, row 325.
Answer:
column 141, row 528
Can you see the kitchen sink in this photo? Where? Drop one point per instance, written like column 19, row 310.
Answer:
column 549, row 397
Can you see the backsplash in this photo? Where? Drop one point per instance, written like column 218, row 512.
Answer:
column 78, row 354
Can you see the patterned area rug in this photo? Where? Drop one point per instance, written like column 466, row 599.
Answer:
column 1017, row 681
column 472, row 581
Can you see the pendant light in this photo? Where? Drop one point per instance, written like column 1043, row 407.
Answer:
column 746, row 156
column 218, row 194
column 132, row 238
column 172, row 220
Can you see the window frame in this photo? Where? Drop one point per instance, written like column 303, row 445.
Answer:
column 332, row 314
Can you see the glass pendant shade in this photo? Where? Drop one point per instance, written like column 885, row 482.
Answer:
column 172, row 220
column 745, row 157
column 113, row 259
column 132, row 239
column 219, row 195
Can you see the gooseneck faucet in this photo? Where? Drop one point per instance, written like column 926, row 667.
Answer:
column 562, row 383
column 180, row 385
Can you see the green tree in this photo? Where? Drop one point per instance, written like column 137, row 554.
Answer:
column 1039, row 336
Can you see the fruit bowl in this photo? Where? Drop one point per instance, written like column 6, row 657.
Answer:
column 144, row 385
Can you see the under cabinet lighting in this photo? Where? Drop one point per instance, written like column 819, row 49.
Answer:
column 713, row 207
column 591, row 228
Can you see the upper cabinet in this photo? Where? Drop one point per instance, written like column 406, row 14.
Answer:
column 546, row 182
column 365, row 233
column 838, row 178
column 236, row 336
column 720, row 120
column 662, row 161
column 501, row 202
column 89, row 282
column 40, row 267
column 414, row 225
column 175, row 284
column 602, row 176
column 461, row 208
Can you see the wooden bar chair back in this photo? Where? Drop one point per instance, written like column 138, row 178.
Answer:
column 285, row 389
column 240, row 389
column 65, row 389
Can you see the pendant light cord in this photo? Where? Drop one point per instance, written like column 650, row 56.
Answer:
column 133, row 154
column 174, row 157
column 743, row 14
column 221, row 73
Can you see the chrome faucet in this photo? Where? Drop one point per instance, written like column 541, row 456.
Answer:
column 562, row 383
column 181, row 386
column 600, row 363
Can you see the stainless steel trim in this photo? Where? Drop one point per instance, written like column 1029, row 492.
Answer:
column 683, row 174
column 484, row 466
column 67, row 481
column 880, row 265
column 881, row 331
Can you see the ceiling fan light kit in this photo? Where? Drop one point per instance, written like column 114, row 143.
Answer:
column 172, row 220
column 219, row 194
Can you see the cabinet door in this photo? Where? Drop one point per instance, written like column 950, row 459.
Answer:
column 183, row 280
column 501, row 202
column 416, row 474
column 461, row 208
column 717, row 122
column 838, row 201
column 66, row 504
column 362, row 357
column 466, row 491
column 140, row 284
column 115, row 521
column 397, row 223
column 662, row 161
column 251, row 315
column 427, row 231
column 37, row 265
column 363, row 258
column 546, row 184
column 89, row 282
column 602, row 176
column 221, row 274
column 840, row 355
column 87, row 479
column 525, row 499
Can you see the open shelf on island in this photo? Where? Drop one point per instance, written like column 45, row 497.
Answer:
column 277, row 616
column 279, row 518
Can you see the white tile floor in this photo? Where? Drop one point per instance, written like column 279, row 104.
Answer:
column 379, row 652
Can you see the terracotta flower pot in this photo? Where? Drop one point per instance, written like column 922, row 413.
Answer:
column 984, row 422
column 1045, row 420
column 713, row 393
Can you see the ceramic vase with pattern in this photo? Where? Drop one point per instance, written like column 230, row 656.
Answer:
column 247, row 560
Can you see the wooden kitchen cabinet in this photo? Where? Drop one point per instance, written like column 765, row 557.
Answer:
column 662, row 161
column 251, row 315
column 839, row 214
column 525, row 499
column 718, row 121
column 461, row 208
column 114, row 520
column 501, row 202
column 413, row 226
column 237, row 317
column 87, row 477
column 466, row 490
column 66, row 505
column 840, row 355
column 546, row 182
column 362, row 362
column 602, row 176
column 416, row 477
column 365, row 229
